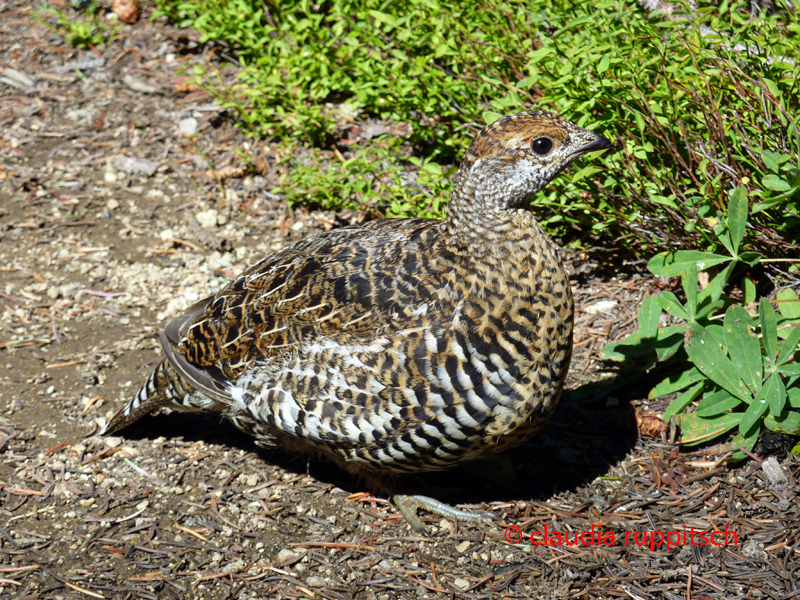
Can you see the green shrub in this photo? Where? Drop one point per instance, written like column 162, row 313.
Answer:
column 693, row 113
column 741, row 369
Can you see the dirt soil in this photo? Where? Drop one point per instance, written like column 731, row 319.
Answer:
column 112, row 221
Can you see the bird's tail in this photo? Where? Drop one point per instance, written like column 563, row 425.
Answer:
column 163, row 387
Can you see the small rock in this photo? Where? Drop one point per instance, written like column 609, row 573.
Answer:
column 207, row 218
column 286, row 554
column 753, row 550
column 603, row 306
column 113, row 441
column 110, row 177
column 315, row 581
column 461, row 584
column 136, row 166
column 113, row 203
column 139, row 85
column 167, row 234
column 188, row 126
column 774, row 472
column 463, row 547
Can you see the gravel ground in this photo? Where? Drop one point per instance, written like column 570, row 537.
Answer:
column 112, row 221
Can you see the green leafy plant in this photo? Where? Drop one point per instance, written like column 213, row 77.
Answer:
column 80, row 32
column 401, row 186
column 736, row 369
column 697, row 105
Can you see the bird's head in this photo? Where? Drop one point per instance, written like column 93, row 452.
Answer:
column 518, row 155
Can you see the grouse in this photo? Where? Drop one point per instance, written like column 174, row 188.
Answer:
column 399, row 345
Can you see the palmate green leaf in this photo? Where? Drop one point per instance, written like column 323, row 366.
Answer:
column 708, row 355
column 716, row 403
column 696, row 430
column 672, row 264
column 682, row 401
column 743, row 347
column 769, row 329
column 675, row 383
column 769, row 396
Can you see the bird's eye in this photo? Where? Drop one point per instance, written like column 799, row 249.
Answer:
column 542, row 145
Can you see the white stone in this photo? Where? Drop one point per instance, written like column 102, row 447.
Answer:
column 207, row 218
column 188, row 126
column 603, row 306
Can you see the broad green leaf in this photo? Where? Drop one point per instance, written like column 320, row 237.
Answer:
column 737, row 216
column 669, row 303
column 675, row 383
column 788, row 422
column 489, row 116
column 760, row 405
column 725, row 237
column 750, row 258
column 602, row 66
column 672, row 264
column 707, row 355
column 716, row 404
column 668, row 341
column 794, row 397
column 749, row 290
column 689, row 282
column 788, row 304
column 791, row 369
column 383, row 17
column 771, row 160
column 776, row 183
column 789, row 345
column 649, row 315
column 711, row 307
column 716, row 285
column 743, row 347
column 682, row 401
column 777, row 395
column 746, row 442
column 769, row 329
column 695, row 429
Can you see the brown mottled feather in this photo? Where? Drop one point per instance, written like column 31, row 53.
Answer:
column 399, row 345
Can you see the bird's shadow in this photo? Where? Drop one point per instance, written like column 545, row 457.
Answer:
column 580, row 443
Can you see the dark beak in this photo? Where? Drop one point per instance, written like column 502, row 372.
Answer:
column 598, row 143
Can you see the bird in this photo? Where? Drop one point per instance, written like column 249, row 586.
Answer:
column 398, row 345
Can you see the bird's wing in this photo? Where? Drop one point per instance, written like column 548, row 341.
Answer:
column 356, row 280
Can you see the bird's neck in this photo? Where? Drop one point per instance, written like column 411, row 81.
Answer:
column 483, row 221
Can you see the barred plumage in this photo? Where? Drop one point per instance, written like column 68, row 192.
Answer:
column 399, row 345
